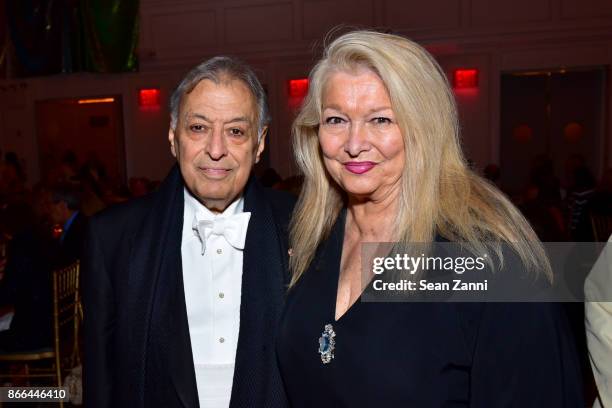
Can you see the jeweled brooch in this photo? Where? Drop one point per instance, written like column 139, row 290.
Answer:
column 327, row 344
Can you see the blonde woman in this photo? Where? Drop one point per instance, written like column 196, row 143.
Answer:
column 377, row 141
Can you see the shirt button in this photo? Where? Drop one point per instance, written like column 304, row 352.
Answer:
column 219, row 251
column 221, row 295
column 221, row 340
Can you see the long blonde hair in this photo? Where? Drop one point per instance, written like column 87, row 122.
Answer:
column 439, row 193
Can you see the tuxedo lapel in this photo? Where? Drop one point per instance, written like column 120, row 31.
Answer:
column 264, row 266
column 160, row 332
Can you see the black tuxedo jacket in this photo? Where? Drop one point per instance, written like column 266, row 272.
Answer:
column 136, row 334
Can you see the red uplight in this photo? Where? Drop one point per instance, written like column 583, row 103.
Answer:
column 298, row 88
column 149, row 99
column 465, row 78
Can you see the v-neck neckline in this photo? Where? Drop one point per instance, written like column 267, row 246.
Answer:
column 338, row 241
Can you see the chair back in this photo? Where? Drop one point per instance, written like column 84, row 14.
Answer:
column 602, row 226
column 66, row 316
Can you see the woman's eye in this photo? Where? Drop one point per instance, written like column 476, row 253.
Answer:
column 381, row 121
column 333, row 120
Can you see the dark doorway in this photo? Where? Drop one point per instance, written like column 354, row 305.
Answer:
column 83, row 130
column 555, row 115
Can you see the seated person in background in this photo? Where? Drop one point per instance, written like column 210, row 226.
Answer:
column 65, row 212
column 27, row 282
column 32, row 255
column 578, row 202
column 601, row 202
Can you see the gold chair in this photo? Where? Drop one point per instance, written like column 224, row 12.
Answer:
column 602, row 227
column 67, row 316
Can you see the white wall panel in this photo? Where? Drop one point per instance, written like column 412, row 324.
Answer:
column 277, row 37
column 257, row 24
column 183, row 32
column 554, row 57
column 320, row 16
column 516, row 12
column 471, row 103
column 586, row 8
column 422, row 15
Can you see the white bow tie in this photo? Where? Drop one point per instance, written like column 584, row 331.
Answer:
column 233, row 228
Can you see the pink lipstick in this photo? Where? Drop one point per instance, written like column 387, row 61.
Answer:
column 359, row 167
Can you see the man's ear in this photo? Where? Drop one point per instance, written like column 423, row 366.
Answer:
column 262, row 144
column 171, row 139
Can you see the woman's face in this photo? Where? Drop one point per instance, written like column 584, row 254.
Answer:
column 361, row 141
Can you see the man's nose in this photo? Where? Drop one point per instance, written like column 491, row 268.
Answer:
column 216, row 146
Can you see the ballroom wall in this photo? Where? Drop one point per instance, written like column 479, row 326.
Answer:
column 279, row 37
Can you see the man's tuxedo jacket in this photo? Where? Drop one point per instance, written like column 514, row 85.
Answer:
column 136, row 334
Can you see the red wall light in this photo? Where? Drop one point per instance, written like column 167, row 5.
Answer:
column 149, row 99
column 298, row 88
column 465, row 78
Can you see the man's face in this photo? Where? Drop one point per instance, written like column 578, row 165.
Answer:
column 58, row 212
column 215, row 141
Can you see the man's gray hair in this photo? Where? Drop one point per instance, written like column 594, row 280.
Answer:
column 218, row 69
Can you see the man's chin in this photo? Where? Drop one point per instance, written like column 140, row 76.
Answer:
column 215, row 198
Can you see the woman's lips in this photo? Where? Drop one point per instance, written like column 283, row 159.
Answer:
column 359, row 167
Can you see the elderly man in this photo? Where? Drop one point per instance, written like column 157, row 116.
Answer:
column 183, row 288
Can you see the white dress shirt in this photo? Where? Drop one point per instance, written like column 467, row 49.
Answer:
column 213, row 285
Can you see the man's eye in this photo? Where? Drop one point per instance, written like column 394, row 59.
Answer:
column 236, row 132
column 197, row 128
column 381, row 121
column 333, row 120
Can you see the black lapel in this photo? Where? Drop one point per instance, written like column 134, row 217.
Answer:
column 160, row 332
column 264, row 267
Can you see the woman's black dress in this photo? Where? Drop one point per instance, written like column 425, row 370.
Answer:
column 479, row 355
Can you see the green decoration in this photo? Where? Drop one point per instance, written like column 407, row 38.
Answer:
column 111, row 35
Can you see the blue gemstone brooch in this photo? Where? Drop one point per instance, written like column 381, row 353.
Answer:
column 327, row 344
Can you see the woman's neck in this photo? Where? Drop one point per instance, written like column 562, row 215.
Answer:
column 372, row 220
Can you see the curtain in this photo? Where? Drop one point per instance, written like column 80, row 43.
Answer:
column 62, row 36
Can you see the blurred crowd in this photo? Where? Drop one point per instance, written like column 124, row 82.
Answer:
column 43, row 227
column 562, row 211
